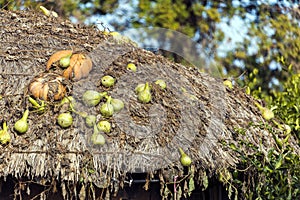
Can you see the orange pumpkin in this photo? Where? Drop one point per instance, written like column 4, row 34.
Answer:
column 48, row 86
column 56, row 57
column 80, row 67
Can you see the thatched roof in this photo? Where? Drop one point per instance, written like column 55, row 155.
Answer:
column 195, row 112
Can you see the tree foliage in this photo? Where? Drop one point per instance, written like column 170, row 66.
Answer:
column 274, row 172
column 273, row 35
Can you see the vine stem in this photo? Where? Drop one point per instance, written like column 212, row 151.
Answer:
column 175, row 189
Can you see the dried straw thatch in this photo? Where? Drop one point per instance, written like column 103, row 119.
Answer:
column 195, row 112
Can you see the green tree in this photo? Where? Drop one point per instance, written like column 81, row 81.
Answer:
column 274, row 34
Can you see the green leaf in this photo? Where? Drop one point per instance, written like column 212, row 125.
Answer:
column 191, row 186
column 279, row 162
column 204, row 181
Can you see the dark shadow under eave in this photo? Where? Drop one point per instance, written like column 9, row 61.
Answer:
column 27, row 190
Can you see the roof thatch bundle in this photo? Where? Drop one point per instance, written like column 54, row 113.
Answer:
column 195, row 112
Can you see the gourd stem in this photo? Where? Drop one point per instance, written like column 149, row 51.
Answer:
column 33, row 102
column 25, row 115
column 4, row 127
column 181, row 151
